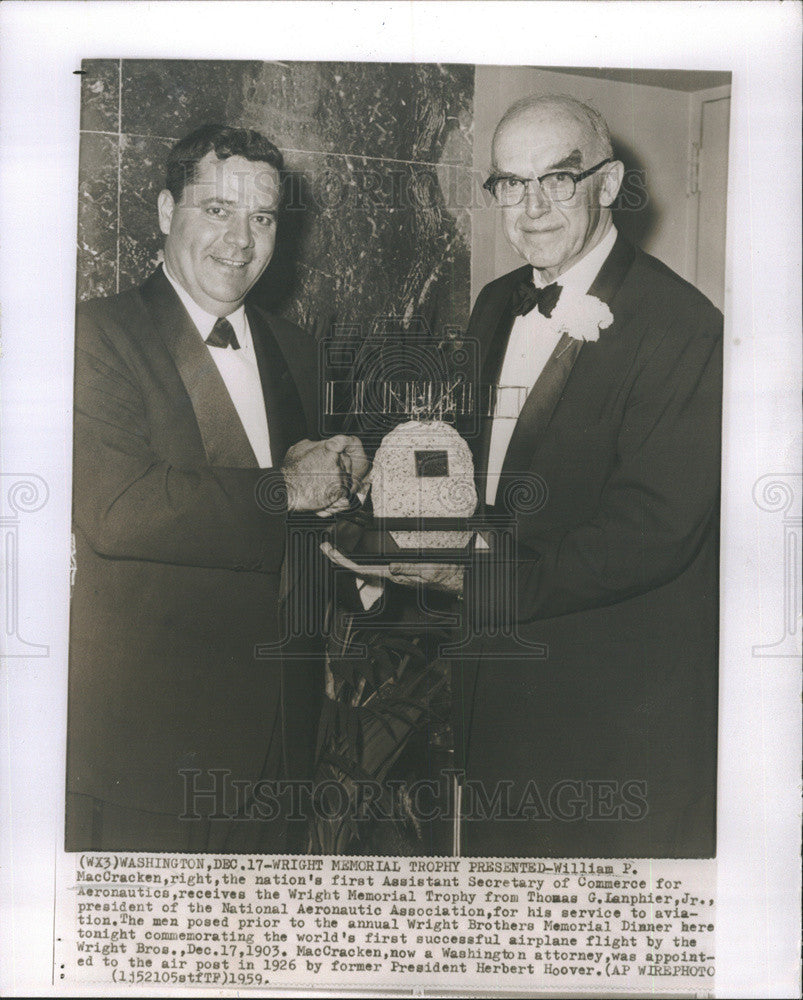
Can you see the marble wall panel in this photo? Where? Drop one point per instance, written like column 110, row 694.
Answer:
column 363, row 240
column 100, row 95
column 171, row 97
column 142, row 172
column 97, row 215
column 444, row 113
column 387, row 110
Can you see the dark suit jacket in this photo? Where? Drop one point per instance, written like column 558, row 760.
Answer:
column 179, row 544
column 616, row 573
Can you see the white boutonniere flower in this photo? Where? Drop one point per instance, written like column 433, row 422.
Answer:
column 581, row 318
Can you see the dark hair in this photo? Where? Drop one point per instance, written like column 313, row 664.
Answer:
column 184, row 157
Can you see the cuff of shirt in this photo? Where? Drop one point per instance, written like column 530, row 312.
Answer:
column 369, row 592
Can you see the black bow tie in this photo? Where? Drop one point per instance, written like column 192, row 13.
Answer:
column 526, row 297
column 223, row 334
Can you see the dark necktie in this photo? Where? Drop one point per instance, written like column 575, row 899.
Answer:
column 223, row 334
column 526, row 297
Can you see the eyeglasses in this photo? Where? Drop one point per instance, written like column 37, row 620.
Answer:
column 559, row 185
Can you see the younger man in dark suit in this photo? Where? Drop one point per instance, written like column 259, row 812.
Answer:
column 192, row 414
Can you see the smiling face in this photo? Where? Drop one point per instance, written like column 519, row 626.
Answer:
column 220, row 235
column 552, row 236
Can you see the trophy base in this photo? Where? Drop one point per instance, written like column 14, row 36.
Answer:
column 379, row 541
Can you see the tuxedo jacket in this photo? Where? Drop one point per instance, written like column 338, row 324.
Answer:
column 179, row 543
column 600, row 708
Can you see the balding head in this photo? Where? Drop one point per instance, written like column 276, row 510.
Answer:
column 556, row 107
column 556, row 136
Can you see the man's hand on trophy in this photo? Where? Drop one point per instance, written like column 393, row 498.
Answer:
column 445, row 577
column 352, row 459
column 372, row 573
column 438, row 576
column 321, row 475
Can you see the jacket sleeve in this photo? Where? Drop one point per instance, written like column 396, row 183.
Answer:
column 660, row 499
column 130, row 503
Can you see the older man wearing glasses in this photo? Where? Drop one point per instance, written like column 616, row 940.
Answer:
column 604, row 745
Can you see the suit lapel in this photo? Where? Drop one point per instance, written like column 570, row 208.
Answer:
column 225, row 442
column 540, row 406
column 490, row 367
column 286, row 420
column 548, row 389
column 613, row 271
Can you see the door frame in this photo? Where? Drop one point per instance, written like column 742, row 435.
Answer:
column 696, row 101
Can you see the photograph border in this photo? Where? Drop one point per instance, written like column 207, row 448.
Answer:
column 758, row 894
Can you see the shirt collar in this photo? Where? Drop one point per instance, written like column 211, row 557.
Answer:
column 581, row 275
column 203, row 320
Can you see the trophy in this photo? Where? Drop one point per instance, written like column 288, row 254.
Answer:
column 404, row 401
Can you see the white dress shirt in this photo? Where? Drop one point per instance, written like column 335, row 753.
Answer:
column 238, row 369
column 532, row 341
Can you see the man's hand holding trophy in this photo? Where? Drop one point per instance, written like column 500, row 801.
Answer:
column 322, row 476
column 422, row 469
